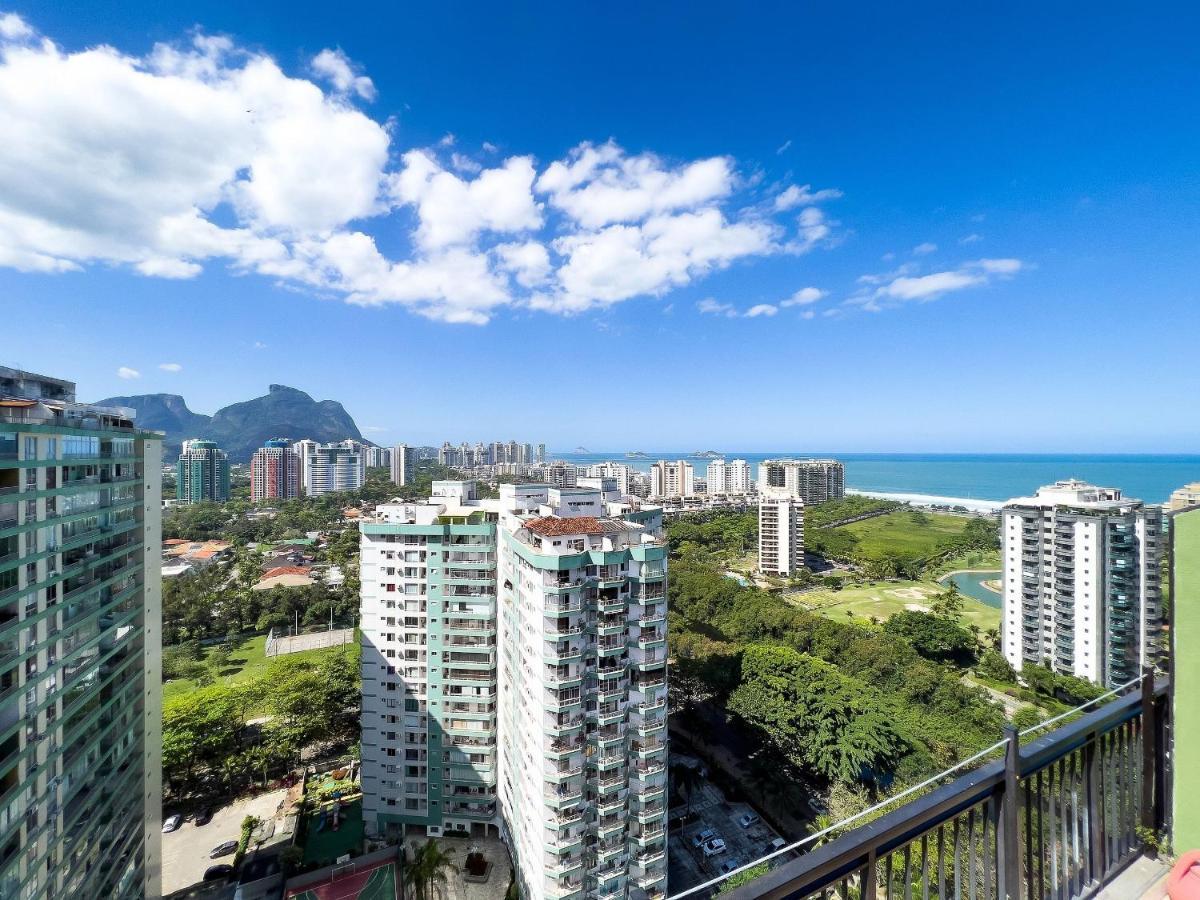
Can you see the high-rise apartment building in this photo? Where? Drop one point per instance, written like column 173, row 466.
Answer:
column 1081, row 582
column 202, row 473
column 80, row 614
column 302, row 449
column 332, row 468
column 780, row 532
column 275, row 471
column 514, row 678
column 1184, row 497
column 672, row 479
column 732, row 477
column 377, row 457
column 404, row 464
column 812, row 480
column 541, row 453
column 619, row 471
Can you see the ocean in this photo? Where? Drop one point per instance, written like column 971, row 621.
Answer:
column 978, row 476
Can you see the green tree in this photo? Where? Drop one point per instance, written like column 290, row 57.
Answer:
column 428, row 870
column 934, row 637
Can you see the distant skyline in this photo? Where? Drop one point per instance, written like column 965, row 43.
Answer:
column 923, row 229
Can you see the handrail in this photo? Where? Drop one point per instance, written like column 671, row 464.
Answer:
column 855, row 852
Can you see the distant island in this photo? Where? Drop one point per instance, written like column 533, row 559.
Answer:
column 707, row 454
column 581, row 450
column 637, row 454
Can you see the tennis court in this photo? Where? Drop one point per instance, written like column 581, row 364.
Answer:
column 370, row 881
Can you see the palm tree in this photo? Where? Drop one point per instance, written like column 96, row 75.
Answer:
column 687, row 780
column 993, row 635
column 427, row 869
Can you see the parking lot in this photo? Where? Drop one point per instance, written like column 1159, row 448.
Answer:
column 688, row 866
column 185, row 852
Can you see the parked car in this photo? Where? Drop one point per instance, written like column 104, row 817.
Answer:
column 703, row 837
column 729, row 865
column 748, row 819
column 223, row 849
column 778, row 844
column 713, row 847
column 172, row 822
column 203, row 817
column 218, row 872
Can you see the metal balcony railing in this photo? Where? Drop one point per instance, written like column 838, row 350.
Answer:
column 1056, row 817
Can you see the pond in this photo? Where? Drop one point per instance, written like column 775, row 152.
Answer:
column 971, row 585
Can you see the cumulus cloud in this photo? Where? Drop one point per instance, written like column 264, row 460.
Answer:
column 208, row 153
column 924, row 249
column 761, row 309
column 804, row 195
column 127, row 373
column 803, row 297
column 170, row 367
column 334, row 66
column 902, row 287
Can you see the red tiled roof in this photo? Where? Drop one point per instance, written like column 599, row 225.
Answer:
column 554, row 526
column 174, row 542
column 284, row 570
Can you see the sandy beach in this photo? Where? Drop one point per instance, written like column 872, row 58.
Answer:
column 984, row 506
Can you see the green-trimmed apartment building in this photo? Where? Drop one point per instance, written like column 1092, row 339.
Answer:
column 80, row 609
column 202, row 473
column 514, row 681
column 1185, row 677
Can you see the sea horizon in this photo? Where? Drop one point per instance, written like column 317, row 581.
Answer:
column 994, row 477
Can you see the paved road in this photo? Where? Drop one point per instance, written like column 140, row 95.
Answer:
column 185, row 852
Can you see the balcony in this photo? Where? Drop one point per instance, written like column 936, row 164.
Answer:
column 1076, row 783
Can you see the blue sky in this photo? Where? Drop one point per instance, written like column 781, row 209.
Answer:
column 959, row 230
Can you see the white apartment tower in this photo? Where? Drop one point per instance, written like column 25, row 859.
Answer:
column 812, row 480
column 332, row 468
column 732, row 477
column 672, row 479
column 1081, row 582
column 404, row 464
column 514, row 678
column 780, row 532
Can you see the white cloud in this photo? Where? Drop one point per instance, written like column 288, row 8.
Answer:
column 924, row 249
column 804, row 196
column 334, row 66
column 489, row 147
column 13, row 27
column 597, row 186
column 761, row 309
column 374, row 429
column 453, row 210
column 710, row 307
column 782, row 148
column 803, row 297
column 808, row 314
column 897, row 287
column 970, row 239
column 170, row 367
column 208, row 153
column 127, row 373
column 259, row 345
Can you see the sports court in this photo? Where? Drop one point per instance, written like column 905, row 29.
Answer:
column 363, row 881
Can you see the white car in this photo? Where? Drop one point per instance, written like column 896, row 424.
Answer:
column 748, row 819
column 703, row 837
column 714, row 847
column 170, row 823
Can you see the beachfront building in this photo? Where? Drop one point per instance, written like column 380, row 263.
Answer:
column 732, row 477
column 80, row 616
column 1081, row 580
column 275, row 471
column 404, row 464
column 780, row 532
column 672, row 479
column 332, row 468
column 202, row 473
column 812, row 480
column 1182, row 498
column 514, row 680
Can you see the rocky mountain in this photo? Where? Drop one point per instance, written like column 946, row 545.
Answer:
column 241, row 428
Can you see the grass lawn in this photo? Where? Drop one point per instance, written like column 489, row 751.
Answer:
column 897, row 532
column 885, row 598
column 972, row 559
column 247, row 661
